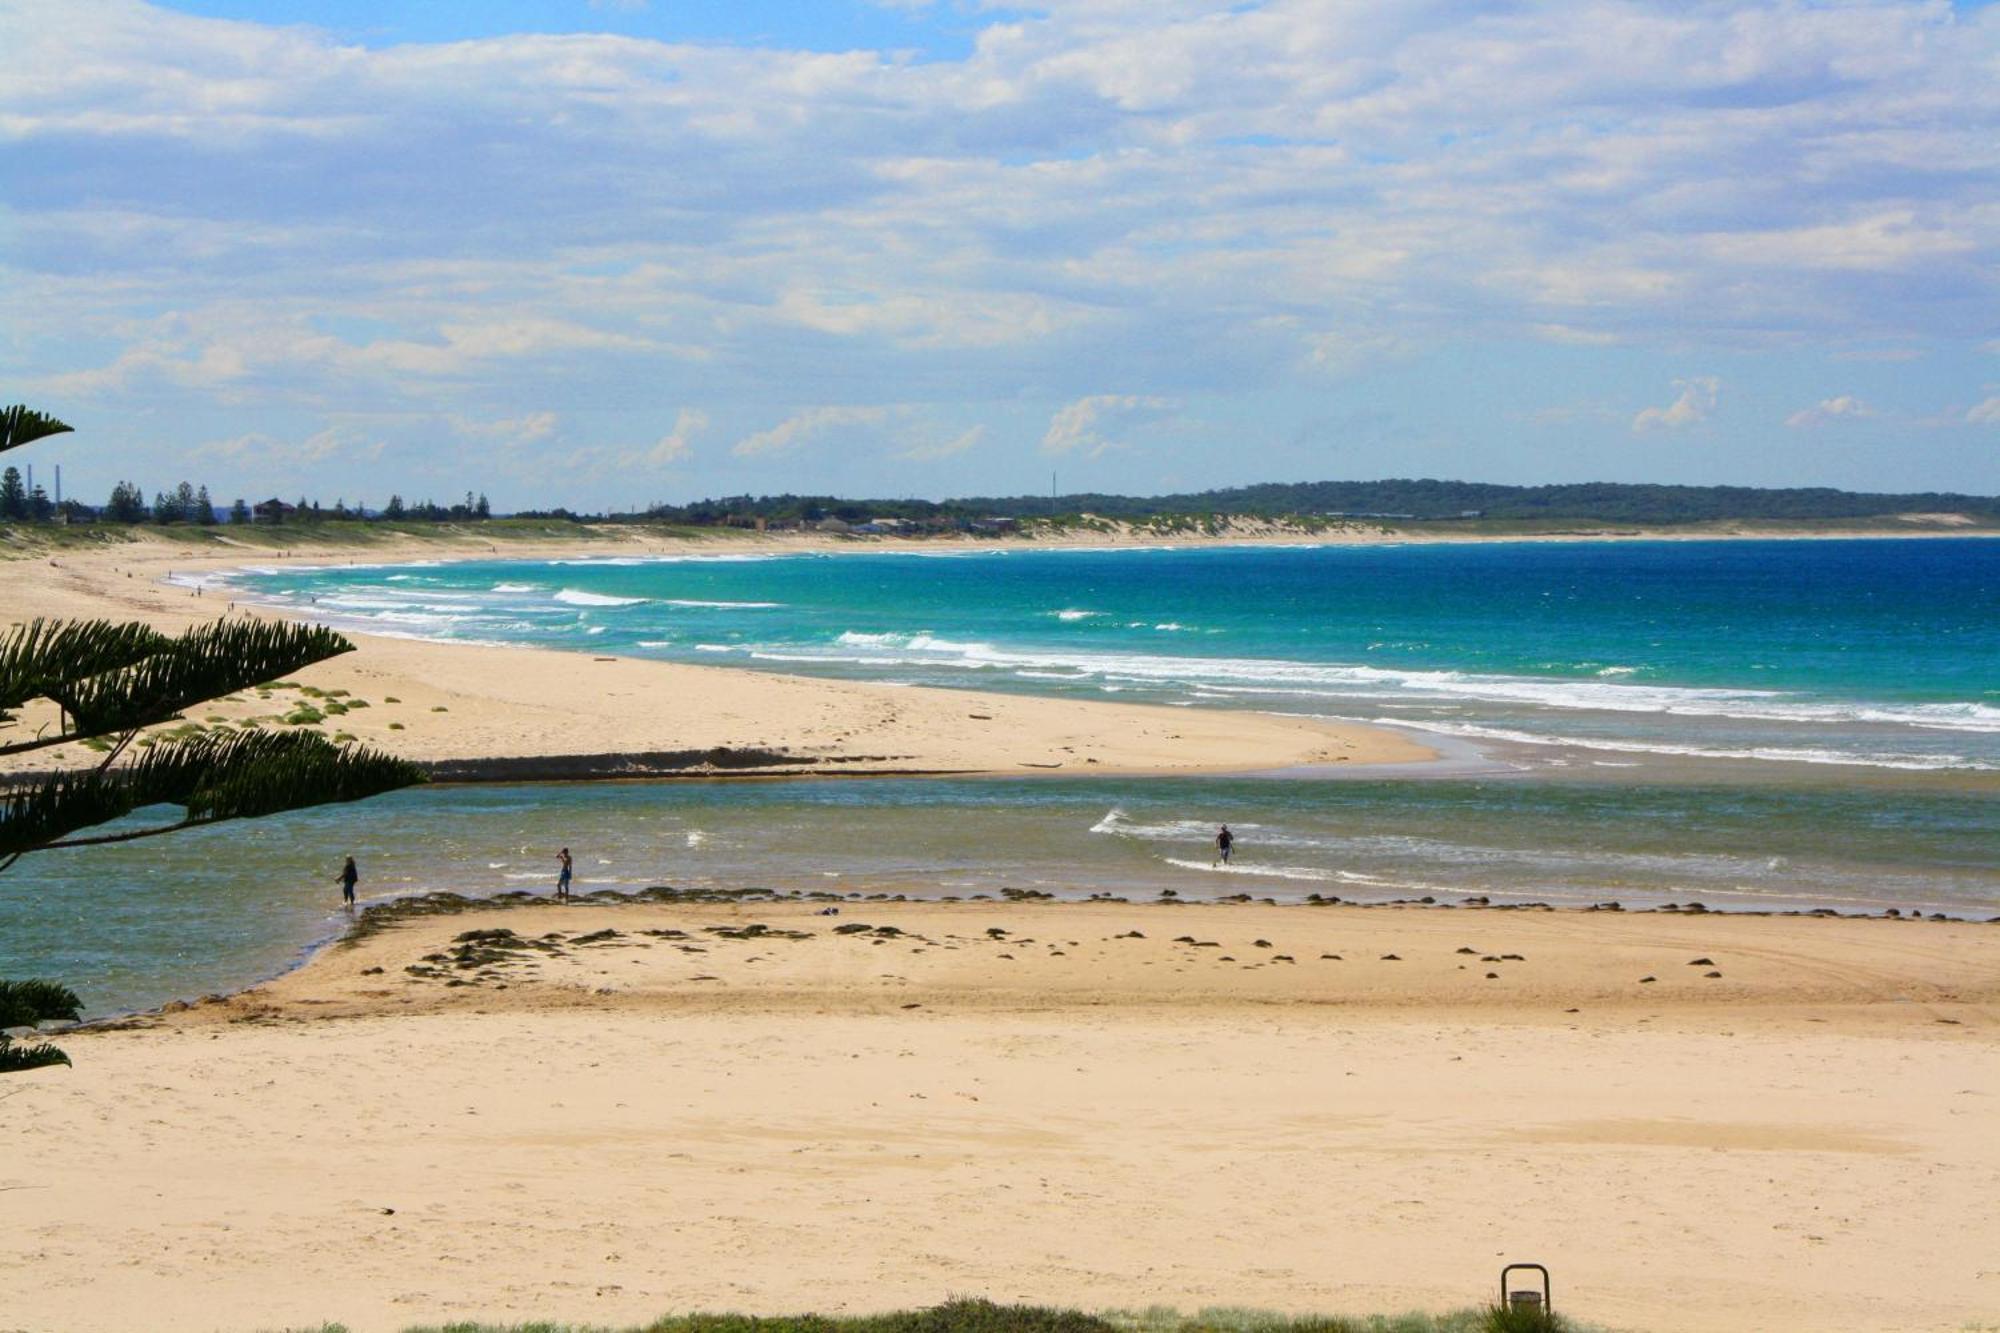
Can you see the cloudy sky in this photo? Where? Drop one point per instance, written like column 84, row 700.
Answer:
column 603, row 252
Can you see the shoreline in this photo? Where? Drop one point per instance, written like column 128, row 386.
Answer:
column 515, row 711
column 432, row 906
column 429, row 918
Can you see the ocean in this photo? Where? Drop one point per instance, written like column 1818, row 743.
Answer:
column 1752, row 724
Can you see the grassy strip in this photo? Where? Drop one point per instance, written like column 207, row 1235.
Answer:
column 978, row 1316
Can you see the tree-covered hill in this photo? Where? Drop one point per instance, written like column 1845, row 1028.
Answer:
column 1398, row 499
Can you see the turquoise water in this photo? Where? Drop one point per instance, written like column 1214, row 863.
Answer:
column 1876, row 653
column 1742, row 724
column 133, row 925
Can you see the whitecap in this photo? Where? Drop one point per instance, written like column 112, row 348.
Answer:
column 1308, row 873
column 721, row 606
column 575, row 597
column 1770, row 753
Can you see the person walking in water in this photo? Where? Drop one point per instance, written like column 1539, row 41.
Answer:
column 1225, row 841
column 349, row 876
column 562, row 873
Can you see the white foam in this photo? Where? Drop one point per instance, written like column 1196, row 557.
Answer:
column 1308, row 873
column 513, row 587
column 721, row 606
column 576, row 597
column 1770, row 753
column 1278, row 676
column 1076, row 615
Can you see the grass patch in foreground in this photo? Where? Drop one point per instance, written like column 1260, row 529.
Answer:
column 978, row 1316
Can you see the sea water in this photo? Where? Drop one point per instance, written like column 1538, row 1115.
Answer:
column 1749, row 724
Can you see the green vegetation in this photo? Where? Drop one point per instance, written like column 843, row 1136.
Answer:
column 1316, row 506
column 976, row 1316
column 105, row 684
column 23, row 1004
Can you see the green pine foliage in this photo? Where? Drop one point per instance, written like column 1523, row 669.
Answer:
column 24, row 1004
column 110, row 682
column 23, row 425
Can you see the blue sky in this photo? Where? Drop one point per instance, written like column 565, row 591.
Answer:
column 606, row 253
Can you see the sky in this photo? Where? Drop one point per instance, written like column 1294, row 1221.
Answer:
column 603, row 253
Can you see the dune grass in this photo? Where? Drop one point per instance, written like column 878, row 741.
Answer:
column 978, row 1316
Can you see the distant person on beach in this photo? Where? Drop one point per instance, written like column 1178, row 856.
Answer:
column 1225, row 841
column 349, row 876
column 562, row 873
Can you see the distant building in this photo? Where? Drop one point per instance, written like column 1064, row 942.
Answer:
column 833, row 525
column 272, row 510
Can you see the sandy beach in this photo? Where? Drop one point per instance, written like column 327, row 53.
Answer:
column 627, row 1109
column 522, row 713
column 610, row 1110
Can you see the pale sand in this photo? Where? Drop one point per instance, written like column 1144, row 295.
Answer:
column 1806, row 1142
column 470, row 702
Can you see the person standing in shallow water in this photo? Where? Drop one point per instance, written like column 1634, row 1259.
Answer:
column 349, row 876
column 562, row 873
column 1225, row 842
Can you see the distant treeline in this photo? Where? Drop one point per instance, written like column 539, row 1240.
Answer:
column 1606, row 502
column 1314, row 504
column 187, row 503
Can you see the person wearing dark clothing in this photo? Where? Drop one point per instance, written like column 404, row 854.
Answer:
column 349, row 876
column 1225, row 841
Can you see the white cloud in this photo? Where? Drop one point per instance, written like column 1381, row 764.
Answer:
column 1180, row 194
column 933, row 452
column 677, row 444
column 806, row 426
column 1986, row 413
column 1692, row 405
column 1082, row 425
column 526, row 429
column 1845, row 407
column 268, row 454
